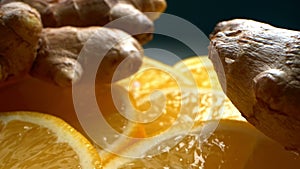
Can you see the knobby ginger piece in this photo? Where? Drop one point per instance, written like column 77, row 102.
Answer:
column 152, row 8
column 60, row 13
column 58, row 56
column 20, row 29
column 127, row 18
column 83, row 13
column 258, row 66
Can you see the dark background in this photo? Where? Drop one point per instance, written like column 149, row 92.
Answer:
column 206, row 14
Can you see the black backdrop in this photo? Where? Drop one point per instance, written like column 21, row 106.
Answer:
column 206, row 14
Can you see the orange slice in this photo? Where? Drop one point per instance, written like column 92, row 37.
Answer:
column 202, row 71
column 232, row 144
column 159, row 103
column 163, row 95
column 152, row 78
column 168, row 111
column 158, row 76
column 174, row 106
column 35, row 140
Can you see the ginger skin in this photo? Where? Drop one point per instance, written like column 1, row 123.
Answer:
column 126, row 17
column 258, row 66
column 59, row 63
column 71, row 12
column 83, row 13
column 51, row 54
column 153, row 7
column 20, row 29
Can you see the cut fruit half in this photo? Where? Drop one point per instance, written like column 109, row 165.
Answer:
column 186, row 106
column 157, row 112
column 158, row 76
column 233, row 144
column 33, row 140
column 174, row 106
column 169, row 140
column 159, row 99
column 202, row 71
column 160, row 104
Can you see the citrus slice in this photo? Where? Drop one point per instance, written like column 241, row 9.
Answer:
column 160, row 103
column 165, row 111
column 161, row 110
column 186, row 106
column 153, row 76
column 157, row 75
column 233, row 144
column 202, row 71
column 171, row 107
column 34, row 140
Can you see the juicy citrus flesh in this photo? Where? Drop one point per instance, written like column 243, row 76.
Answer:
column 184, row 105
column 163, row 96
column 34, row 140
column 161, row 102
column 201, row 70
column 233, row 144
column 152, row 76
column 177, row 110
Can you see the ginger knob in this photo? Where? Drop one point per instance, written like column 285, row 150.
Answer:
column 258, row 66
column 20, row 29
column 58, row 56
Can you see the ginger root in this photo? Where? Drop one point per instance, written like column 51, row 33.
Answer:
column 83, row 13
column 51, row 54
column 153, row 7
column 57, row 58
column 127, row 18
column 258, row 66
column 20, row 29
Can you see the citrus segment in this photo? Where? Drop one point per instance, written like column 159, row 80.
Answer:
column 35, row 140
column 159, row 101
column 184, row 105
column 162, row 106
column 233, row 144
column 149, row 81
column 157, row 113
column 202, row 71
column 156, row 75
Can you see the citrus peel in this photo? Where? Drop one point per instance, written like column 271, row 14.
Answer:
column 35, row 140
